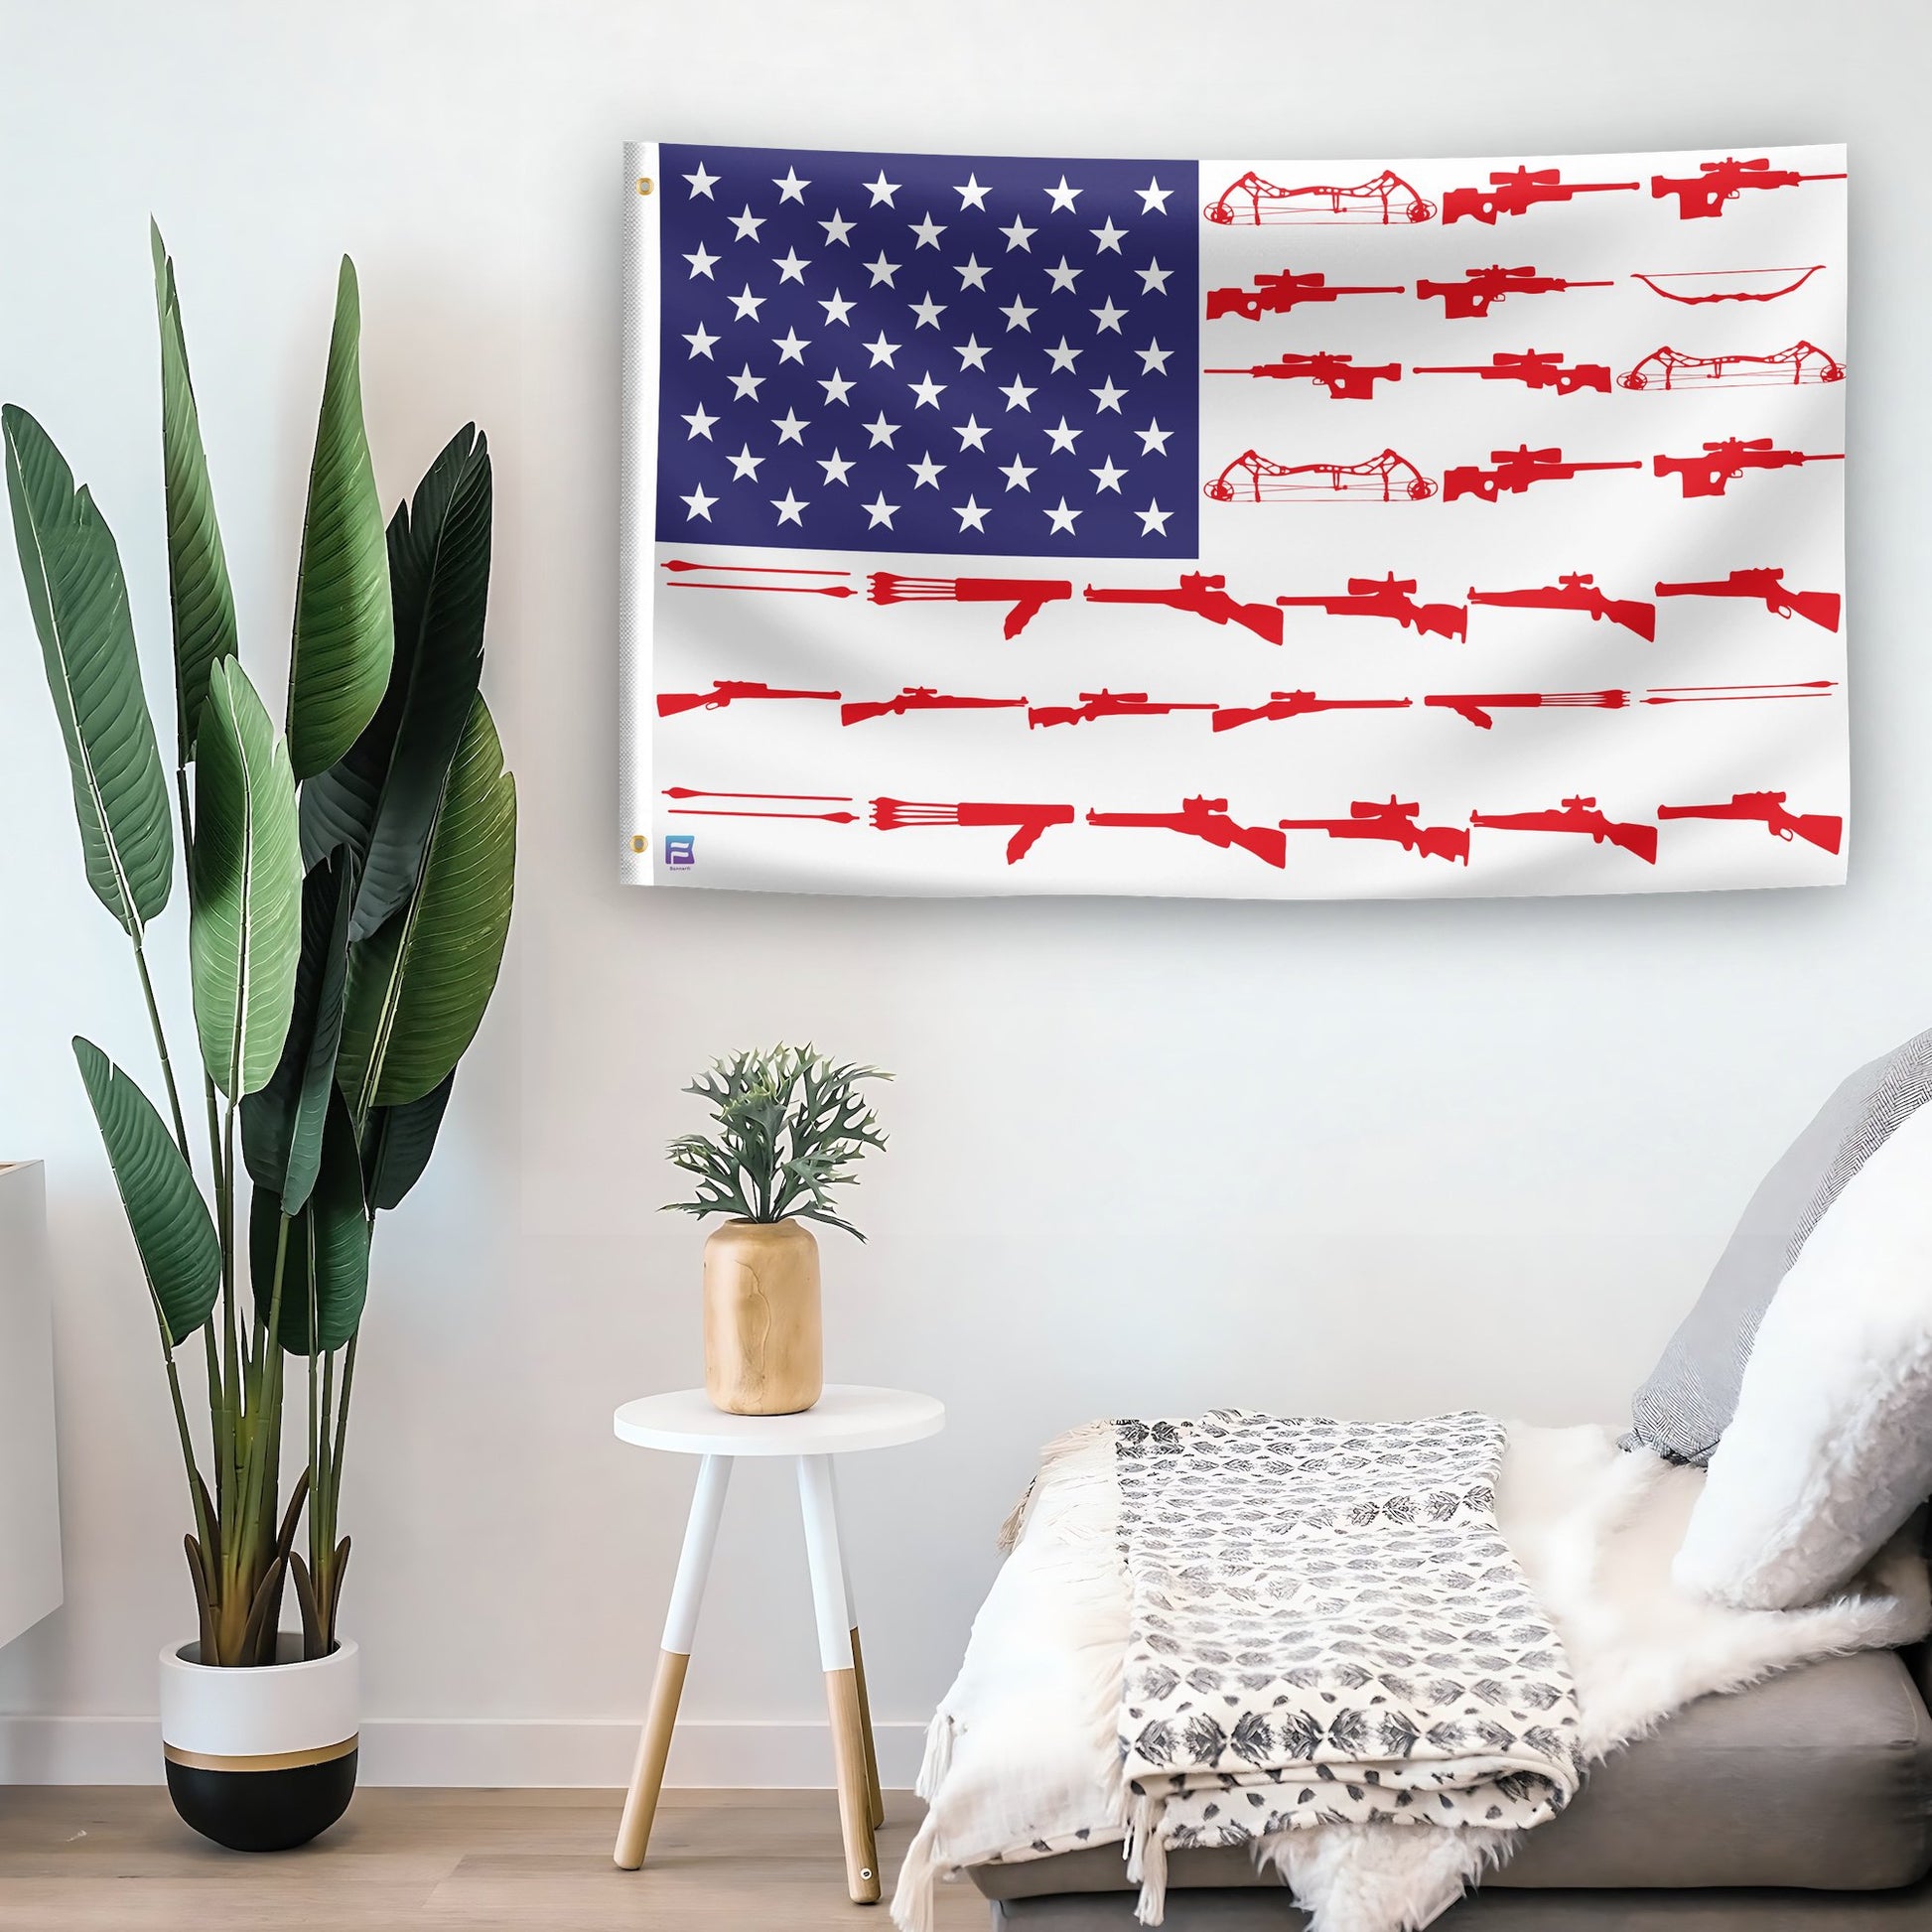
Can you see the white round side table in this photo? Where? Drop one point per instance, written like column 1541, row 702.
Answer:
column 844, row 1420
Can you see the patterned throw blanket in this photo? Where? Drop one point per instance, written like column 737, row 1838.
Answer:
column 1326, row 1626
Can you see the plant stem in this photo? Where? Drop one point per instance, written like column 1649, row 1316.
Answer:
column 161, row 1048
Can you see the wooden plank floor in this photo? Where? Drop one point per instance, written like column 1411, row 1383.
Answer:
column 116, row 1860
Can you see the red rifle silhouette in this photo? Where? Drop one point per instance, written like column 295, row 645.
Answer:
column 1202, row 596
column 1533, row 369
column 1476, row 706
column 1767, row 586
column 1519, row 190
column 1515, row 471
column 921, row 697
column 1702, row 196
column 1390, row 477
column 1027, row 822
column 1206, row 818
column 1722, row 463
column 727, row 691
column 1388, row 597
column 1577, row 591
column 1482, row 288
column 1383, row 201
column 1336, row 373
column 1105, row 704
column 1577, row 815
column 1280, row 294
column 1298, row 704
column 1671, row 369
column 1767, row 808
column 1395, row 822
column 1027, row 595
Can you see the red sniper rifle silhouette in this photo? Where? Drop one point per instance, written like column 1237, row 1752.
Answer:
column 1280, row 293
column 1298, row 704
column 1337, row 375
column 1767, row 586
column 1206, row 818
column 1724, row 461
column 1389, row 597
column 1516, row 470
column 1519, row 190
column 727, row 691
column 921, row 697
column 1393, row 822
column 1767, row 808
column 1025, row 822
column 1482, row 288
column 1256, row 202
column 1579, row 814
column 1533, row 369
column 1027, row 596
column 1201, row 596
column 1105, row 704
column 1671, row 369
column 1477, row 705
column 1702, row 196
column 1577, row 591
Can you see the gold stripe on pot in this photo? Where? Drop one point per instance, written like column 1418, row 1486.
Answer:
column 266, row 1761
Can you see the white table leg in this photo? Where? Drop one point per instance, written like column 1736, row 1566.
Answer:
column 875, row 1794
column 680, row 1625
column 818, row 1504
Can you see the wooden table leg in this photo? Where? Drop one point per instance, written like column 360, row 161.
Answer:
column 877, row 1796
column 681, row 1626
column 820, row 1512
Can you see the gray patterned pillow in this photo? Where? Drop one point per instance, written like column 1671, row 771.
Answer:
column 1692, row 1394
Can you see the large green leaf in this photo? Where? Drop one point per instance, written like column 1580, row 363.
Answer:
column 398, row 1143
column 417, row 990
column 173, row 1232
column 281, row 1125
column 325, row 1264
column 244, row 933
column 343, row 632
column 380, row 798
column 78, row 598
column 197, row 571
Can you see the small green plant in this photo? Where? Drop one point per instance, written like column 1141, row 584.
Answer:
column 790, row 1127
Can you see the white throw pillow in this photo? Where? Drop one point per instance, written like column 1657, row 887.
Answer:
column 1829, row 1450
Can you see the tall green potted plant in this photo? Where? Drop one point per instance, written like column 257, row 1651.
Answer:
column 350, row 880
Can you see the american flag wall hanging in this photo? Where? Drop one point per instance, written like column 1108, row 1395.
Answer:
column 1249, row 527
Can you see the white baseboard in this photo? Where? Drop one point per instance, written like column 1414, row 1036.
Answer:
column 480, row 1752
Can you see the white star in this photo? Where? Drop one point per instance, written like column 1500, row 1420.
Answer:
column 882, row 189
column 1062, row 519
column 790, row 428
column 1016, row 472
column 1108, row 396
column 701, row 339
column 836, row 387
column 835, row 467
column 926, row 391
column 1153, row 439
column 701, row 183
column 791, row 189
column 1062, row 277
column 883, row 270
column 927, row 313
column 971, row 435
column 788, row 507
column 838, row 308
column 791, row 347
column 926, row 473
column 1154, row 520
column 1063, row 196
column 879, row 512
column 971, row 356
column 791, row 268
column 1062, row 438
column 1063, row 358
column 744, row 463
column 702, row 263
column 1015, row 393
column 747, row 223
column 1154, row 278
column 882, row 431
column 1107, row 316
column 1154, row 198
column 929, row 231
column 971, row 516
column 1153, row 358
column 1015, row 314
column 698, row 504
column 836, row 231
column 1108, row 236
column 971, row 274
column 1108, row 477
column 1017, row 235
column 745, row 383
column 699, row 421
column 882, row 351
column 971, row 195
column 746, row 304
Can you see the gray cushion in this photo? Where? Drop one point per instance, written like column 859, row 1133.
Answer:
column 1692, row 1394
column 1819, row 1779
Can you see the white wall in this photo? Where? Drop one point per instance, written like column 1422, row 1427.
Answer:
column 1371, row 1158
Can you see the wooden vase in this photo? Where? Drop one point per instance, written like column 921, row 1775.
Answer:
column 764, row 1345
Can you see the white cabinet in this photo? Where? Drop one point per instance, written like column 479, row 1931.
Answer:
column 30, row 1512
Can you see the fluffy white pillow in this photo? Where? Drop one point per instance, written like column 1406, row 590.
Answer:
column 1829, row 1450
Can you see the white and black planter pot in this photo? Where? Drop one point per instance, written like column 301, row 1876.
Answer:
column 260, row 1759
